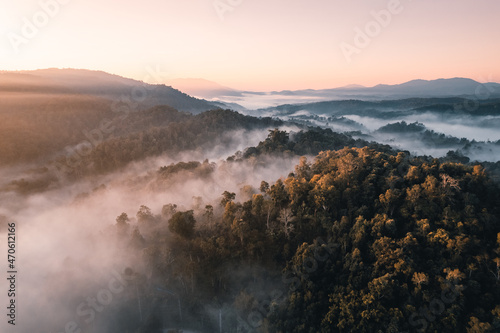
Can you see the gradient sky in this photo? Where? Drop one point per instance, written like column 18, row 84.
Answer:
column 260, row 44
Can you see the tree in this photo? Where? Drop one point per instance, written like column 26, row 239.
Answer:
column 182, row 224
column 122, row 224
column 278, row 194
column 475, row 326
column 136, row 239
column 276, row 140
column 240, row 228
column 264, row 186
column 348, row 165
column 303, row 170
column 419, row 279
column 246, row 193
column 168, row 210
column 144, row 215
column 227, row 197
column 209, row 213
column 286, row 218
column 388, row 200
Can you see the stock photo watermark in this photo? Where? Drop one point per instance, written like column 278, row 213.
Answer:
column 124, row 105
column 426, row 314
column 11, row 273
column 225, row 6
column 31, row 26
column 481, row 93
column 292, row 280
column 372, row 29
column 87, row 311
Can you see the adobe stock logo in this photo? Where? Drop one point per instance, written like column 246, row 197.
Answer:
column 224, row 6
column 87, row 311
column 372, row 29
column 31, row 26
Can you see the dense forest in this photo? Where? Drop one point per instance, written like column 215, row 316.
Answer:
column 168, row 131
column 116, row 141
column 44, row 111
column 164, row 130
column 34, row 127
column 359, row 240
column 329, row 224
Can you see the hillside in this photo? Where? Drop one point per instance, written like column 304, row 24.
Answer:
column 394, row 108
column 136, row 94
column 35, row 125
column 357, row 241
column 43, row 111
column 202, row 88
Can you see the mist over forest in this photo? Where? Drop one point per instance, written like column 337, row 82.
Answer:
column 139, row 208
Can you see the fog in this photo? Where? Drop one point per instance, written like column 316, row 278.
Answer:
column 372, row 124
column 253, row 101
column 69, row 255
column 481, row 132
column 472, row 128
column 67, row 250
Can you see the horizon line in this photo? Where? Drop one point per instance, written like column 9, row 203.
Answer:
column 360, row 86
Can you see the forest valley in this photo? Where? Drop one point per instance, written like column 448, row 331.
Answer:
column 358, row 240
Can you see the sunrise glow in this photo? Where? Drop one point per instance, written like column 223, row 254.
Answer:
column 257, row 45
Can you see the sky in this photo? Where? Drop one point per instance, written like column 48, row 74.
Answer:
column 257, row 45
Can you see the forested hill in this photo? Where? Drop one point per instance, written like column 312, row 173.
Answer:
column 358, row 241
column 165, row 131
column 156, row 131
column 41, row 112
column 450, row 106
column 111, row 143
column 134, row 94
column 34, row 127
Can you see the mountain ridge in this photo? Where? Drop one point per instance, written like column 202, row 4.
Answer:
column 443, row 87
column 101, row 84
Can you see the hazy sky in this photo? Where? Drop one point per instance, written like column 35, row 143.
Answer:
column 258, row 44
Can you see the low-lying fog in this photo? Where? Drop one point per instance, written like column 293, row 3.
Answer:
column 66, row 255
column 471, row 128
column 254, row 101
column 481, row 132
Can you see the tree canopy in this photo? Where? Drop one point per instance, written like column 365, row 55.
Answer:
column 357, row 241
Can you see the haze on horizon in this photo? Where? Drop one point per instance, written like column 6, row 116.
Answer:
column 257, row 45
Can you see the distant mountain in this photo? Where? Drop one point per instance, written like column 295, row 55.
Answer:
column 100, row 84
column 202, row 88
column 438, row 88
column 441, row 88
column 352, row 86
column 388, row 108
column 416, row 88
column 25, row 82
